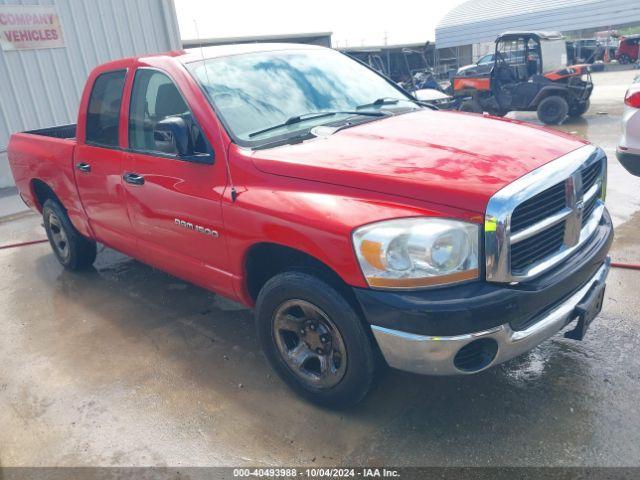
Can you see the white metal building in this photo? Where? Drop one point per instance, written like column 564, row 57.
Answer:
column 476, row 23
column 44, row 60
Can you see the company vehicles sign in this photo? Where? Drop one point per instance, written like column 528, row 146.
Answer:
column 28, row 27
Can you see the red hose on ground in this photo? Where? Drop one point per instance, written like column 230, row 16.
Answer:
column 22, row 244
column 629, row 266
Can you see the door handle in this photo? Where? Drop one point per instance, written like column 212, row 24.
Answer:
column 133, row 178
column 83, row 167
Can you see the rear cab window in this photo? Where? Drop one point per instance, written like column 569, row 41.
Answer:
column 103, row 114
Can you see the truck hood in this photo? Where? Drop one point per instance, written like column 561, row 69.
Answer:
column 449, row 158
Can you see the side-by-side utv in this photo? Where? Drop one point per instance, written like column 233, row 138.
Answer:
column 529, row 73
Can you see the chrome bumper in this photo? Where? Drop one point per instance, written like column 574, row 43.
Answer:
column 434, row 355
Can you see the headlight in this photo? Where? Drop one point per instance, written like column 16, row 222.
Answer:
column 417, row 252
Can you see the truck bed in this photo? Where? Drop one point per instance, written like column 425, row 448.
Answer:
column 46, row 156
column 66, row 132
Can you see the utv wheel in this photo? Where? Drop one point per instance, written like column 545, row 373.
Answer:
column 471, row 106
column 553, row 110
column 579, row 109
column 72, row 250
column 624, row 59
column 315, row 340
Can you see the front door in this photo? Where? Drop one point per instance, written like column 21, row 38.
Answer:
column 174, row 203
column 98, row 164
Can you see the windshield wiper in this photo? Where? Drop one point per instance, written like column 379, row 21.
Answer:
column 392, row 101
column 382, row 101
column 312, row 115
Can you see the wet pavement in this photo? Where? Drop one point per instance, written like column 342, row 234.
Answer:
column 126, row 365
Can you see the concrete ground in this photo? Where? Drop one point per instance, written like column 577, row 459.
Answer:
column 125, row 365
column 11, row 205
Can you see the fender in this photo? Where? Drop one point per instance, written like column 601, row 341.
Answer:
column 546, row 91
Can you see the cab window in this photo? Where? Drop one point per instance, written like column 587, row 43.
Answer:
column 155, row 97
column 104, row 109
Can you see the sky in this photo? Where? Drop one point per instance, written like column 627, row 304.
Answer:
column 353, row 22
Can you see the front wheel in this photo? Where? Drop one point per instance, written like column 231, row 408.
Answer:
column 553, row 110
column 314, row 339
column 471, row 106
column 624, row 59
column 579, row 109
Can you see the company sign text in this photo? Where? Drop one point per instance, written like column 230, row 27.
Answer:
column 29, row 27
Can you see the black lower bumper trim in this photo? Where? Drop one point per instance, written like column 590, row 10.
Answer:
column 482, row 305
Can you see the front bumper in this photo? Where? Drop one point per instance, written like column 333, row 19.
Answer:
column 430, row 355
column 423, row 331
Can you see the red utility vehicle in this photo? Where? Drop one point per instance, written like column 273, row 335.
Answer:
column 628, row 49
column 361, row 226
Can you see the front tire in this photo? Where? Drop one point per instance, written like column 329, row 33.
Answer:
column 73, row 251
column 553, row 110
column 624, row 59
column 470, row 106
column 579, row 109
column 314, row 339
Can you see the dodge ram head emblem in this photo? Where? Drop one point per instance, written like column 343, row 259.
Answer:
column 196, row 228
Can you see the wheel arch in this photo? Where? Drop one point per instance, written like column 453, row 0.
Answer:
column 549, row 91
column 41, row 192
column 264, row 260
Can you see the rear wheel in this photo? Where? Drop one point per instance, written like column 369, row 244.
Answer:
column 72, row 250
column 553, row 110
column 471, row 106
column 314, row 339
column 579, row 109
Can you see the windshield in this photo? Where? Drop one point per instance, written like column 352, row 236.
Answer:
column 255, row 92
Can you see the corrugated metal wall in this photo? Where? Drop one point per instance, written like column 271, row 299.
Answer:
column 40, row 88
column 477, row 21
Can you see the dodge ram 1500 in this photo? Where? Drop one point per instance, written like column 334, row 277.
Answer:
column 362, row 226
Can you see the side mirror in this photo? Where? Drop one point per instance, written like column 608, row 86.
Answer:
column 171, row 135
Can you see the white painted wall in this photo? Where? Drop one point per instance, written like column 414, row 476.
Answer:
column 42, row 88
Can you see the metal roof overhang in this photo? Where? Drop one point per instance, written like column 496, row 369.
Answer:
column 478, row 21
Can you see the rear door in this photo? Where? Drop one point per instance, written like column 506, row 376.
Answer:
column 98, row 163
column 174, row 203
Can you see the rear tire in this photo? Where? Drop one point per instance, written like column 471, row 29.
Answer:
column 579, row 109
column 73, row 251
column 553, row 110
column 315, row 340
column 471, row 106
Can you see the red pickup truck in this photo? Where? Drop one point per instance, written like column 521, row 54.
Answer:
column 363, row 226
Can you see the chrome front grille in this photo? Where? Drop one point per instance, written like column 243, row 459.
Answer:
column 538, row 220
column 590, row 176
column 536, row 248
column 539, row 207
